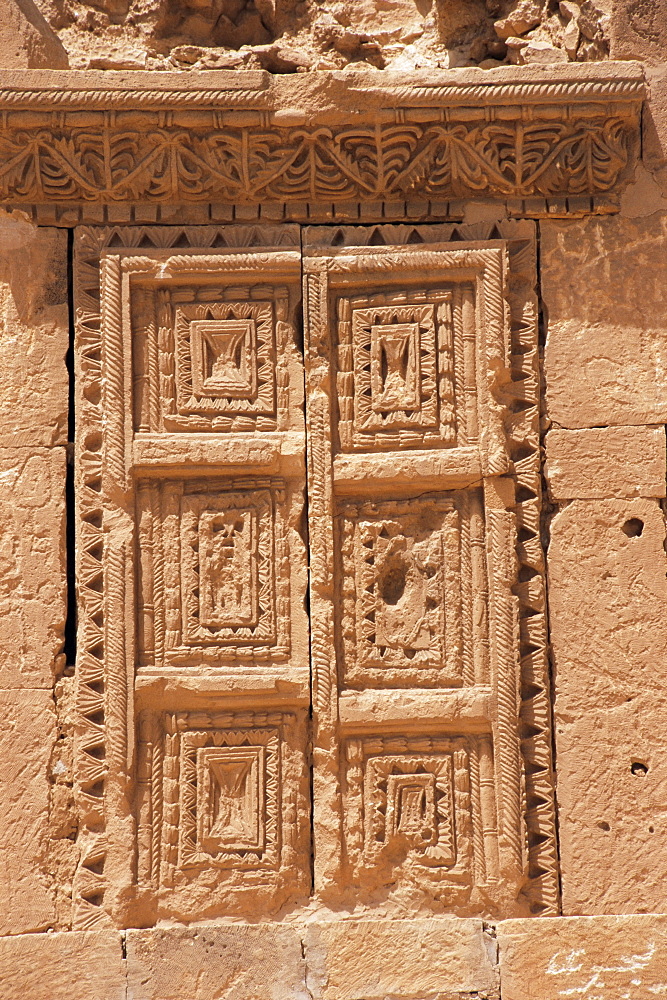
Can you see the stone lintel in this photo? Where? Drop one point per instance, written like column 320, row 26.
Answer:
column 247, row 139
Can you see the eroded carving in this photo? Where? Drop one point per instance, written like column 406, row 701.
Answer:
column 215, row 566
column 413, row 806
column 223, row 803
column 402, row 593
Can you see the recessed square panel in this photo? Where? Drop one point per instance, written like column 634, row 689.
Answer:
column 229, row 808
column 230, row 799
column 409, row 804
column 396, row 370
column 215, row 582
column 224, row 358
column 402, row 618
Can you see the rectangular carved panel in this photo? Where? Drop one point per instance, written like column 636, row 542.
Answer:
column 223, row 811
column 420, row 810
column 427, row 637
column 406, row 603
column 215, row 572
column 192, row 677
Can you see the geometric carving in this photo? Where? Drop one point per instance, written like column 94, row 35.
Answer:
column 415, row 806
column 414, row 579
column 229, row 808
column 445, row 138
column 402, row 612
column 222, row 810
column 413, row 563
column 223, row 593
column 396, row 370
column 226, row 360
column 212, row 356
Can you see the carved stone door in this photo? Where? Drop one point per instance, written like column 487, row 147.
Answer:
column 347, row 503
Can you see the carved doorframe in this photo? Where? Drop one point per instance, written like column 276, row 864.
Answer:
column 110, row 454
column 399, row 151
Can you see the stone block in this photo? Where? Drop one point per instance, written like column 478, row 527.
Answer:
column 369, row 959
column 27, row 40
column 638, row 30
column 603, row 284
column 600, row 462
column 233, row 962
column 32, row 565
column 79, row 965
column 33, row 333
column 602, row 958
column 27, row 735
column 608, row 613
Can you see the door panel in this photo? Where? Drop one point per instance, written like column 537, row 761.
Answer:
column 192, row 573
column 425, row 744
column 419, row 773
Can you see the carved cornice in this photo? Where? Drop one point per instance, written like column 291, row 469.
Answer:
column 249, row 138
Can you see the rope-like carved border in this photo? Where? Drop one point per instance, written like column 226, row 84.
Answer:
column 621, row 82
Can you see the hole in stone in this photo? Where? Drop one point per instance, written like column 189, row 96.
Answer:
column 604, row 825
column 393, row 585
column 633, row 527
column 651, row 829
column 638, row 768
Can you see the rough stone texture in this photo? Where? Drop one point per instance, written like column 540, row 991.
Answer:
column 71, row 966
column 27, row 732
column 34, row 333
column 602, row 958
column 32, row 588
column 26, row 38
column 606, row 354
column 239, row 962
column 608, row 602
column 288, row 36
column 638, row 30
column 604, row 462
column 360, row 958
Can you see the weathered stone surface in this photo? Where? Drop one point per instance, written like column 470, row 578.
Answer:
column 86, row 965
column 606, row 958
column 27, row 40
column 606, row 298
column 33, row 333
column 402, row 34
column 601, row 462
column 638, row 30
column 348, row 959
column 27, row 734
column 608, row 603
column 32, row 565
column 236, row 962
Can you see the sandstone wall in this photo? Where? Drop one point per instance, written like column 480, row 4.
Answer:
column 603, row 327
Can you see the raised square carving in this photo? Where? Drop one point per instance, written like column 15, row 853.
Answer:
column 416, row 806
column 396, row 370
column 222, row 811
column 226, row 353
column 230, row 799
column 402, row 591
column 215, row 580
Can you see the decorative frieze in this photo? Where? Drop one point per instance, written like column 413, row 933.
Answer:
column 238, row 139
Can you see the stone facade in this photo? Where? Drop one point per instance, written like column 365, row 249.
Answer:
column 333, row 564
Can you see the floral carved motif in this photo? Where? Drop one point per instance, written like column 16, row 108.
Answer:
column 387, row 162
